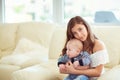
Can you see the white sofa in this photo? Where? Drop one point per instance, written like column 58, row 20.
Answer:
column 29, row 51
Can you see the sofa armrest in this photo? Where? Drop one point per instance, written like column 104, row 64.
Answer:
column 112, row 74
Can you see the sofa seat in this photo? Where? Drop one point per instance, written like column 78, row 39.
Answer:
column 6, row 70
column 43, row 71
column 36, row 72
column 112, row 74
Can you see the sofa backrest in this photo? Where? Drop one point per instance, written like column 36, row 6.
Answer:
column 57, row 43
column 7, row 35
column 109, row 35
column 11, row 33
column 36, row 31
column 7, row 38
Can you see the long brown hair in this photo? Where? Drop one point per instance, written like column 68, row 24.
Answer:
column 88, row 44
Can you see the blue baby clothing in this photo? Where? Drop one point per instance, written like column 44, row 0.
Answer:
column 83, row 58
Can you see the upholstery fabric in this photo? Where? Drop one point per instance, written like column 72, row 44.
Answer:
column 29, row 50
column 7, row 36
column 6, row 70
column 57, row 43
column 109, row 35
column 38, row 32
column 112, row 74
column 25, row 54
column 36, row 72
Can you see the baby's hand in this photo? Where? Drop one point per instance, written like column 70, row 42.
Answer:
column 62, row 66
column 76, row 64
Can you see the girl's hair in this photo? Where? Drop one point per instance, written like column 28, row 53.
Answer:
column 88, row 44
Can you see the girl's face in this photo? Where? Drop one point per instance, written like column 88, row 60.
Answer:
column 80, row 32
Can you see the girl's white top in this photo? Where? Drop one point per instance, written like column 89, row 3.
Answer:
column 97, row 58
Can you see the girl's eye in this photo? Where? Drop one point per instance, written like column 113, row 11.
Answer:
column 79, row 29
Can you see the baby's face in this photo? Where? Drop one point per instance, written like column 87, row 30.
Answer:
column 72, row 51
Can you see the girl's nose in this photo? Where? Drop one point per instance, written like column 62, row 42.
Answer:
column 78, row 34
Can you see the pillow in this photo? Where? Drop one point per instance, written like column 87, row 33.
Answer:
column 24, row 45
column 26, row 53
column 24, row 60
column 14, row 59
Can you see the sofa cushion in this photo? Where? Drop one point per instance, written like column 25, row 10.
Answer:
column 43, row 71
column 109, row 35
column 6, row 52
column 113, row 74
column 0, row 53
column 34, row 73
column 36, row 31
column 8, row 36
column 31, row 49
column 18, row 59
column 57, row 43
column 6, row 71
column 25, row 45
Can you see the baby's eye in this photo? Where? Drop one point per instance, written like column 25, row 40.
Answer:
column 69, row 49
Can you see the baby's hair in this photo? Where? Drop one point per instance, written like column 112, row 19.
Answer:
column 76, row 42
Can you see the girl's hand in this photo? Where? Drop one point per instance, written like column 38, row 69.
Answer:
column 69, row 68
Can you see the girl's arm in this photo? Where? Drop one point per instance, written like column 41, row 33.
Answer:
column 95, row 72
column 77, row 65
column 92, row 72
column 82, row 67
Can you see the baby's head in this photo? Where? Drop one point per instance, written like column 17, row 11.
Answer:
column 74, row 47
